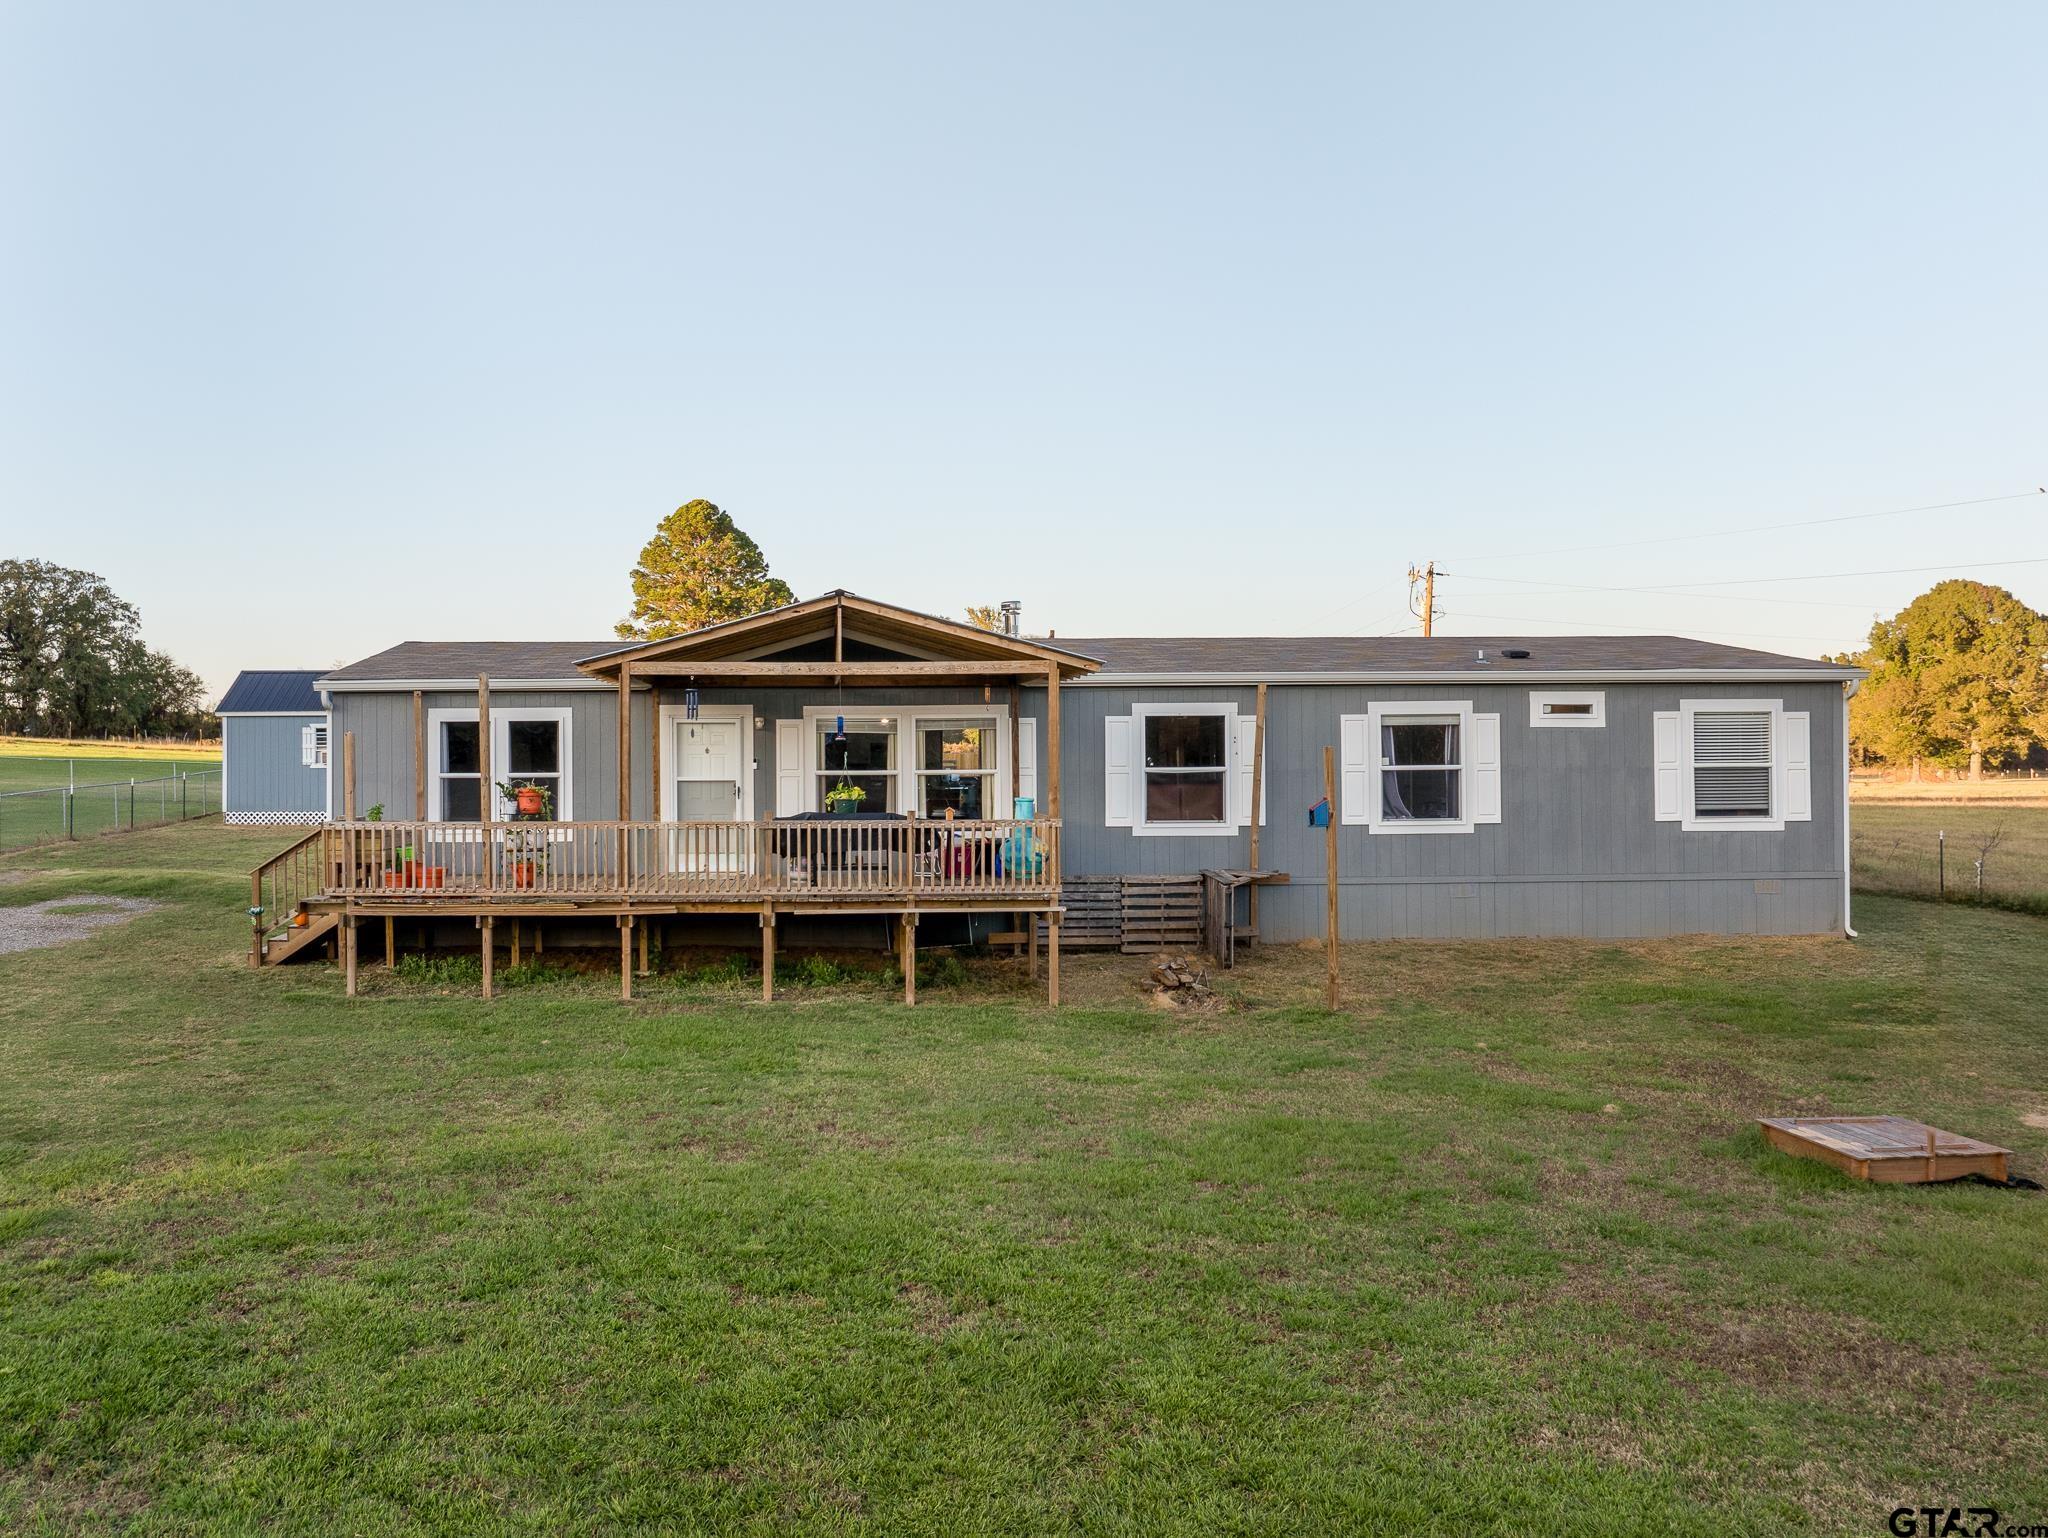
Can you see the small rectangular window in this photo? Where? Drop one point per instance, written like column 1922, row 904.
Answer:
column 313, row 747
column 1587, row 707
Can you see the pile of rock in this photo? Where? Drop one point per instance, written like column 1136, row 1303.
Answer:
column 1179, row 979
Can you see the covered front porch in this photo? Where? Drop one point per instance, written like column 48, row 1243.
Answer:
column 898, row 747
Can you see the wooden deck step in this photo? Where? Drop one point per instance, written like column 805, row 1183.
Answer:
column 298, row 939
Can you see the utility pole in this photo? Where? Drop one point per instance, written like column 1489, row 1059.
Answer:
column 1428, row 612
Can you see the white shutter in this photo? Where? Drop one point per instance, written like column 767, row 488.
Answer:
column 1668, row 757
column 307, row 745
column 1246, row 745
column 1482, row 769
column 1116, row 771
column 789, row 768
column 1354, row 769
column 1795, row 765
column 1027, row 762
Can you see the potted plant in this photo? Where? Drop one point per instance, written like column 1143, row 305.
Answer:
column 526, row 856
column 529, row 799
column 843, row 799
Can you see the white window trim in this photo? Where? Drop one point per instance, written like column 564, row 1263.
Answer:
column 1228, row 824
column 1538, row 698
column 1689, row 820
column 674, row 715
column 906, row 719
column 502, row 717
column 321, row 743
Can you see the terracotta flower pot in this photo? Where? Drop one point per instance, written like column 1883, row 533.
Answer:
column 522, row 873
column 432, row 875
column 529, row 801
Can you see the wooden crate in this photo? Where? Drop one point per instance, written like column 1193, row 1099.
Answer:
column 1095, row 911
column 1893, row 1149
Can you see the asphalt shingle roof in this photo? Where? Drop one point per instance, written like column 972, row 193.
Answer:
column 272, row 689
column 1267, row 656
column 1281, row 655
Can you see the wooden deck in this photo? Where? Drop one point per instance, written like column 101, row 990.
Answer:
column 317, row 890
column 1892, row 1149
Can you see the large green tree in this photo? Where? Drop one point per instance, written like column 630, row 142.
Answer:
column 1959, row 677
column 699, row 568
column 72, row 661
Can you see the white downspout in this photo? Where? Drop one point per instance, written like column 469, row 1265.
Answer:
column 1849, row 687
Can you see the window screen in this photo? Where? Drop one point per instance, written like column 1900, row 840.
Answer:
column 1731, row 759
column 1420, row 771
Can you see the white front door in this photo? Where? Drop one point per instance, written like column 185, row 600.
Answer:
column 708, row 788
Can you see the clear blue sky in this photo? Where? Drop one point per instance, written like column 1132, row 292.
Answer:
column 327, row 327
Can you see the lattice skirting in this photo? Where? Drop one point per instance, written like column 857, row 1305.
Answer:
column 274, row 819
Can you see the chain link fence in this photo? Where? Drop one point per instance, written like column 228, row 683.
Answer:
column 111, row 806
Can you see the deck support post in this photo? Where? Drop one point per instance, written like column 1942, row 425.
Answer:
column 490, row 950
column 643, row 926
column 390, row 941
column 1031, row 923
column 907, row 953
column 515, row 942
column 767, row 955
column 625, row 958
column 348, row 953
column 1052, row 960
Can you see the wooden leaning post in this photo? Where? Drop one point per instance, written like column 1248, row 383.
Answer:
column 1330, row 861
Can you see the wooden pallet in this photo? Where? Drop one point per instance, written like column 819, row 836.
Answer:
column 1162, row 913
column 1137, row 914
column 1892, row 1149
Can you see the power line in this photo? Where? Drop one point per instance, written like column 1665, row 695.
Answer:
column 1760, row 528
column 1546, row 584
column 1829, row 576
column 1753, row 635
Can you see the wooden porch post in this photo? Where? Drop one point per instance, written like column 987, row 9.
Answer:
column 625, row 958
column 419, row 756
column 1258, row 797
column 490, row 951
column 907, row 952
column 489, row 799
column 767, row 954
column 348, row 776
column 653, row 751
column 348, row 952
column 390, row 941
column 1052, row 959
column 625, row 812
column 643, row 926
column 1330, row 879
column 1052, row 740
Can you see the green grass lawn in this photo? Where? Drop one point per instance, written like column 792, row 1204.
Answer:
column 1896, row 849
column 1496, row 1251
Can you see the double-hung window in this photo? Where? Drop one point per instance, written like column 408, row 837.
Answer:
column 1187, row 769
column 956, row 768
column 1420, row 766
column 313, row 745
column 1732, row 765
column 1421, row 771
column 529, row 746
column 862, row 755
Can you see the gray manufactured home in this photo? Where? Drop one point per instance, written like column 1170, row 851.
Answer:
column 850, row 762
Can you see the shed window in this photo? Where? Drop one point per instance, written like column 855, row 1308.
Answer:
column 313, row 745
column 1420, row 770
column 1187, row 768
column 1731, row 763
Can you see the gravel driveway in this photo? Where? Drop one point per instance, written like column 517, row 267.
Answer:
column 52, row 923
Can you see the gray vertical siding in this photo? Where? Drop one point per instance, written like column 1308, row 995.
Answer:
column 262, row 777
column 1577, row 851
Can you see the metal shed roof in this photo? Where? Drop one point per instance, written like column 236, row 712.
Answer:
column 272, row 691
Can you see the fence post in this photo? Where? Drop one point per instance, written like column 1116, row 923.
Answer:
column 131, row 803
column 71, row 813
column 1941, row 864
column 181, row 792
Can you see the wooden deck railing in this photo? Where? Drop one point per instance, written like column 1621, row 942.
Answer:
column 281, row 883
column 819, row 860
